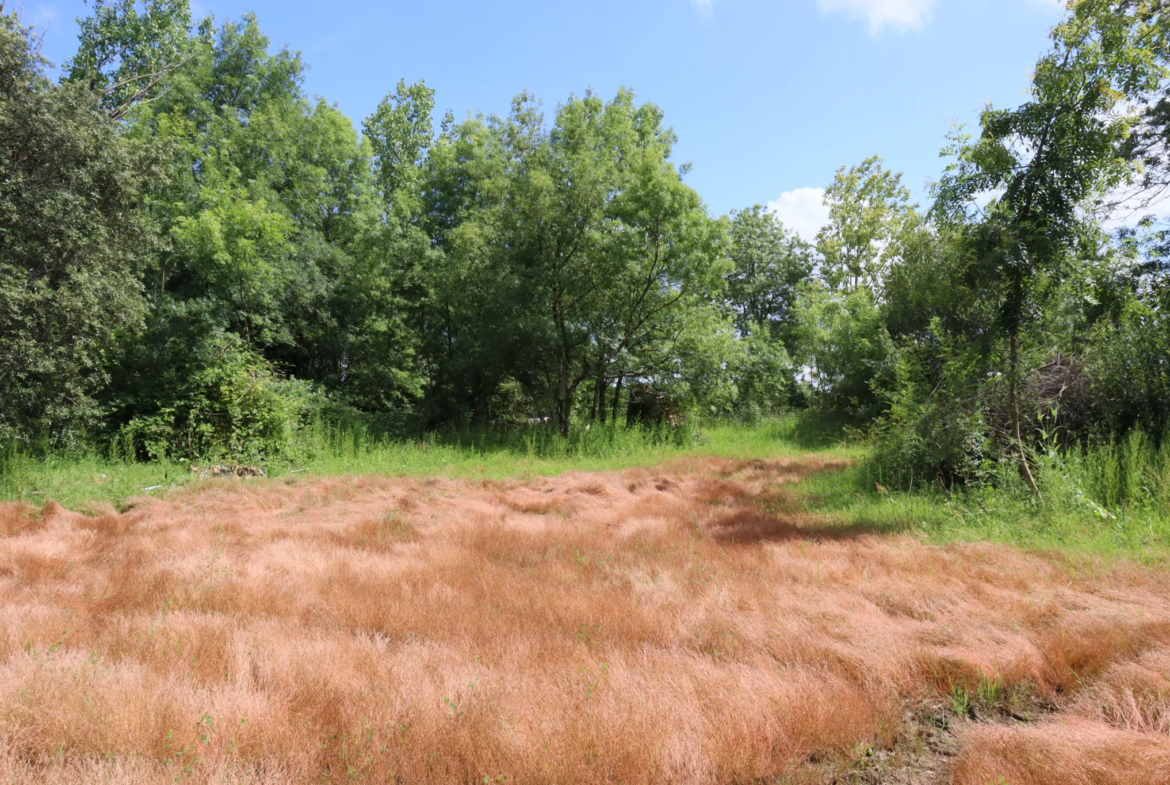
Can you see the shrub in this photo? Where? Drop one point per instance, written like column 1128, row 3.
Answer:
column 1130, row 376
column 765, row 377
column 232, row 404
column 932, row 442
column 933, row 431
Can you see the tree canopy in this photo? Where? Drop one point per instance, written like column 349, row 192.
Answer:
column 196, row 256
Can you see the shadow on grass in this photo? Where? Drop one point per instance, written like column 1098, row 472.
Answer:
column 749, row 527
column 812, row 429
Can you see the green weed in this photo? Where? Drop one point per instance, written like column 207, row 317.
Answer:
column 960, row 700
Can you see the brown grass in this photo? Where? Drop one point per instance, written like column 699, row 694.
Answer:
column 650, row 626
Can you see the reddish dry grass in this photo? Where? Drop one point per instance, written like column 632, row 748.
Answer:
column 1114, row 730
column 642, row 627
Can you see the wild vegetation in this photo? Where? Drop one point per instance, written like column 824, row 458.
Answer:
column 568, row 479
column 199, row 261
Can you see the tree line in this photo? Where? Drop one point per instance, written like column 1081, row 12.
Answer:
column 195, row 258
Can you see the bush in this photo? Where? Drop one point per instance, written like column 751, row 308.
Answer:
column 649, row 407
column 233, row 404
column 1130, row 376
column 764, row 376
column 934, row 431
column 932, row 442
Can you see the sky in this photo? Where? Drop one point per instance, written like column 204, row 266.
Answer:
column 769, row 98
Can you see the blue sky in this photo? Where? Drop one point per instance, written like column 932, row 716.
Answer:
column 768, row 97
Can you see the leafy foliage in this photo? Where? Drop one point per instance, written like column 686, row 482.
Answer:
column 867, row 207
column 846, row 345
column 75, row 238
column 229, row 403
column 197, row 258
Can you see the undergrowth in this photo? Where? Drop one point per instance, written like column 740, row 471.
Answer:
column 1108, row 499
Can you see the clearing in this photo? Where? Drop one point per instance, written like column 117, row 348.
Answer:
column 685, row 623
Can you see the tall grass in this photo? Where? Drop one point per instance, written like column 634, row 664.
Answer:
column 649, row 627
column 1132, row 472
column 86, row 478
column 1104, row 497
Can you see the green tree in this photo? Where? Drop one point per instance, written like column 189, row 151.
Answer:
column 277, row 234
column 868, row 206
column 770, row 263
column 401, row 131
column 611, row 237
column 75, row 236
column 128, row 48
column 1045, row 161
column 845, row 344
column 566, row 247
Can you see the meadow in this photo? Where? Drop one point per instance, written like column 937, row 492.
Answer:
column 738, row 604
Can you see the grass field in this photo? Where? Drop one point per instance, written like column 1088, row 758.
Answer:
column 743, row 607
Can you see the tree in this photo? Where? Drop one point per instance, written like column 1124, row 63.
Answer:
column 610, row 237
column 770, row 265
column 843, row 339
column 1135, row 36
column 868, row 206
column 277, row 234
column 75, row 235
column 475, row 318
column 127, row 50
column 770, row 262
column 1044, row 161
column 841, row 331
column 565, row 248
column 400, row 132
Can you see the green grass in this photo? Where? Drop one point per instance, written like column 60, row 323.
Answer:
column 1067, row 519
column 83, row 480
column 1094, row 501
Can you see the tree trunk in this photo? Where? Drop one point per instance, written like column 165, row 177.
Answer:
column 602, row 386
column 566, row 413
column 1014, row 403
column 595, row 408
column 562, row 397
column 617, row 396
column 563, row 408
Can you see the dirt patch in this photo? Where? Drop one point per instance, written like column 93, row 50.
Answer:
column 656, row 625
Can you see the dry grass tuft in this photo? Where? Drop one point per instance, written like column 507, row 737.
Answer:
column 680, row 624
column 1069, row 753
column 1132, row 696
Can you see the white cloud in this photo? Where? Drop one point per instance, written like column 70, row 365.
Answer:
column 802, row 210
column 900, row 14
column 903, row 15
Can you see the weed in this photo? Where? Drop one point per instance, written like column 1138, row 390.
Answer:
column 960, row 700
column 990, row 692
